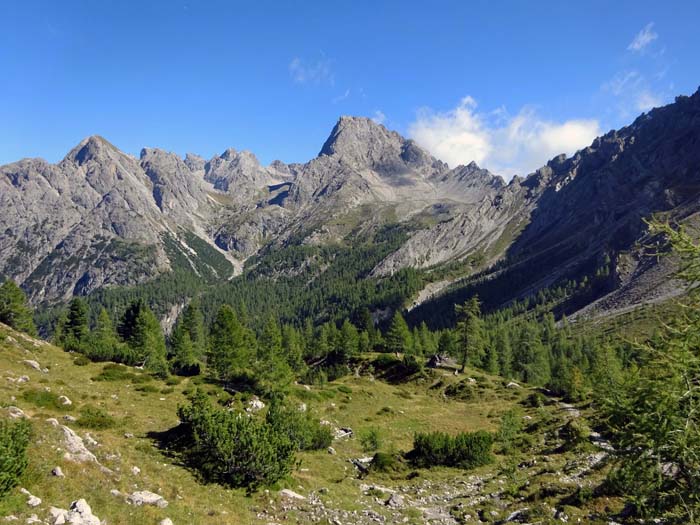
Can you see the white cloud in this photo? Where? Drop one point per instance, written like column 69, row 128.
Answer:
column 342, row 97
column 645, row 37
column 379, row 117
column 634, row 92
column 503, row 143
column 315, row 72
column 647, row 100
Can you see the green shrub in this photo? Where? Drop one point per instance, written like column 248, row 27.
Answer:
column 151, row 389
column 465, row 450
column 509, row 430
column 575, row 434
column 371, row 439
column 233, row 448
column 44, row 399
column 345, row 389
column 385, row 462
column 139, row 379
column 412, row 364
column 95, row 418
column 14, row 440
column 463, row 390
column 535, row 400
column 303, row 430
column 114, row 372
column 81, row 360
column 173, row 380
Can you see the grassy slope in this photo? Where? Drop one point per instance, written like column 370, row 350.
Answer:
column 396, row 410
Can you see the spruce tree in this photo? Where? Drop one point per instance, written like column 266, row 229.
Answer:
column 14, row 310
column 184, row 360
column 76, row 329
column 272, row 373
column 103, row 344
column 231, row 346
column 398, row 337
column 143, row 334
column 193, row 324
column 469, row 332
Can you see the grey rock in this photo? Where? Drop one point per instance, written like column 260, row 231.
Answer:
column 144, row 497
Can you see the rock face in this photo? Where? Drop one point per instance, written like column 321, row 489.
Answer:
column 101, row 217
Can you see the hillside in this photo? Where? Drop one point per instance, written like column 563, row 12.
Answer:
column 543, row 479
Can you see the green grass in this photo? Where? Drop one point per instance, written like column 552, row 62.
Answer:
column 110, row 400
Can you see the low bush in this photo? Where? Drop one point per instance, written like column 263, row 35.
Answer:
column 151, row 389
column 345, row 389
column 385, row 462
column 14, row 440
column 305, row 431
column 509, row 431
column 232, row 448
column 370, row 439
column 114, row 372
column 45, row 399
column 463, row 390
column 95, row 418
column 465, row 450
column 81, row 360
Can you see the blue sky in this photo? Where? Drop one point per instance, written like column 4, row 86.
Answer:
column 506, row 83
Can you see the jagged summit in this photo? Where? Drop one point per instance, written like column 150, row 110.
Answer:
column 93, row 147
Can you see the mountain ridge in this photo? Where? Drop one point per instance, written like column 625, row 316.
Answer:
column 106, row 217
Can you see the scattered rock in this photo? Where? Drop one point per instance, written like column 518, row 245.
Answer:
column 76, row 450
column 286, row 493
column 128, row 435
column 16, row 412
column 332, row 451
column 79, row 513
column 64, row 400
column 144, row 497
column 33, row 519
column 302, row 407
column 23, row 379
column 115, row 493
column 32, row 364
column 32, row 500
column 53, row 421
column 513, row 384
column 70, row 419
column 395, row 501
column 90, row 440
column 56, row 471
column 341, row 433
column 255, row 405
column 166, row 521
column 135, row 471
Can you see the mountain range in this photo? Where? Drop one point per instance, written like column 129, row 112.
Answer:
column 102, row 218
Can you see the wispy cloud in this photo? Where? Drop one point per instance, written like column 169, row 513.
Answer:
column 634, row 92
column 507, row 144
column 313, row 72
column 379, row 117
column 642, row 39
column 342, row 97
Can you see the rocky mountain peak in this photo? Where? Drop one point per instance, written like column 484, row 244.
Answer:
column 361, row 143
column 93, row 148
